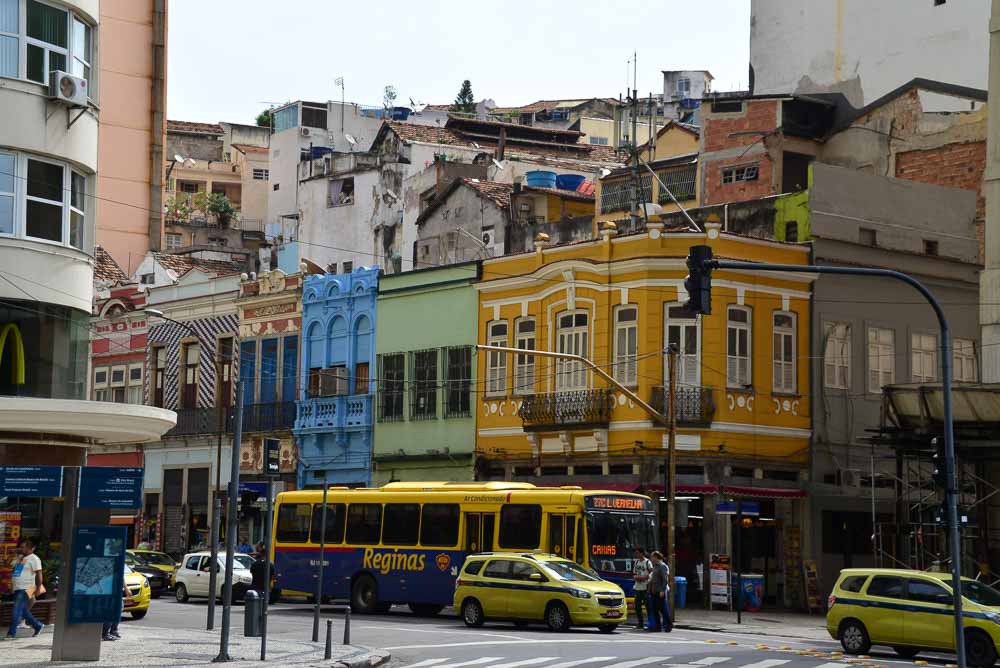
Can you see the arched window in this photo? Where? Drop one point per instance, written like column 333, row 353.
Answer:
column 315, row 360
column 626, row 345
column 572, row 336
column 362, row 353
column 738, row 340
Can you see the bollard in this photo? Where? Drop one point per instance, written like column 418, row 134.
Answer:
column 329, row 639
column 347, row 627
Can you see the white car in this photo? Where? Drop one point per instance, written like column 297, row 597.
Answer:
column 194, row 574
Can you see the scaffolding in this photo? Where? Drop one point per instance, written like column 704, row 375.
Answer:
column 916, row 535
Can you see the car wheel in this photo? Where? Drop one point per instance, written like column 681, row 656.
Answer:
column 906, row 652
column 557, row 617
column 854, row 638
column 425, row 609
column 139, row 614
column 979, row 649
column 472, row 613
column 364, row 595
column 607, row 628
column 181, row 593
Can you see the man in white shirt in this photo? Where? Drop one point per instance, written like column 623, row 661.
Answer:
column 641, row 569
column 26, row 580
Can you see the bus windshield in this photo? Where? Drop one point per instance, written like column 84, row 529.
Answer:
column 614, row 536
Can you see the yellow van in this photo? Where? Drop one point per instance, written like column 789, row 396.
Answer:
column 911, row 611
column 525, row 588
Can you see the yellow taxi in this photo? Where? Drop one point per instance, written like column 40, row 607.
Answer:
column 138, row 587
column 911, row 611
column 158, row 560
column 526, row 588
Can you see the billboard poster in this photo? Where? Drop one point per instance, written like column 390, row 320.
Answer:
column 10, row 533
column 97, row 574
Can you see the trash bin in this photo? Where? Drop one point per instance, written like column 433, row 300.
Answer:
column 680, row 591
column 252, row 613
column 753, row 591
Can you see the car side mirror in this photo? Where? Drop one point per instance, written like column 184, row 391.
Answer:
column 535, row 577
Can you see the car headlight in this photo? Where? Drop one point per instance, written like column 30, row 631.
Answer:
column 145, row 583
column 579, row 593
column 992, row 616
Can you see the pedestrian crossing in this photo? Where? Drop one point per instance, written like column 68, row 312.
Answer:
column 616, row 662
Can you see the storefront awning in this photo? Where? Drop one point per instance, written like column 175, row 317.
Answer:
column 688, row 488
column 764, row 492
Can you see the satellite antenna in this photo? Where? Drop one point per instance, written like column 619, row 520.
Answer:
column 499, row 165
column 350, row 140
column 604, row 172
column 475, row 146
column 412, row 103
column 178, row 157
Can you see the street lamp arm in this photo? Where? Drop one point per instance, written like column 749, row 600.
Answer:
column 655, row 414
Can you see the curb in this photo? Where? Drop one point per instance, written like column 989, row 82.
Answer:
column 755, row 631
column 369, row 658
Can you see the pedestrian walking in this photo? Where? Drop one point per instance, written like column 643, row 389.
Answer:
column 658, row 587
column 641, row 569
column 110, row 630
column 26, row 580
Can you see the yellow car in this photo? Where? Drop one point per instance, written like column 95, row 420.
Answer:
column 526, row 588
column 138, row 587
column 911, row 611
column 158, row 560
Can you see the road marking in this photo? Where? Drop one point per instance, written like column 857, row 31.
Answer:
column 428, row 662
column 711, row 660
column 525, row 662
column 639, row 662
column 580, row 662
column 473, row 662
column 766, row 663
column 574, row 641
column 832, row 665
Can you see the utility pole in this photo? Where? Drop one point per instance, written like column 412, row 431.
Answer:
column 322, row 558
column 670, row 471
column 213, row 574
column 231, row 529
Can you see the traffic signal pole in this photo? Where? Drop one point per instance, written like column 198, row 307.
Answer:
column 701, row 264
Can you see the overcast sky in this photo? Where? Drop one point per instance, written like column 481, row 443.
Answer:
column 228, row 59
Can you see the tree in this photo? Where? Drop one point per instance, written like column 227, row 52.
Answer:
column 264, row 119
column 466, row 101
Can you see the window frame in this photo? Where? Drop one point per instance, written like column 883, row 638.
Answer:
column 391, row 390
column 738, row 327
column 496, row 362
column 455, row 512
column 963, row 351
column 169, row 236
column 879, row 369
column 408, row 531
column 20, row 198
column 784, row 332
column 919, row 356
column 740, row 173
column 12, row 194
column 630, row 329
column 349, row 538
column 261, row 174
column 88, row 60
column 840, row 360
column 458, row 391
column 570, row 375
column 524, row 365
column 424, row 388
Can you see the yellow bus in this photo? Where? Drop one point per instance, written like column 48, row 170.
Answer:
column 405, row 543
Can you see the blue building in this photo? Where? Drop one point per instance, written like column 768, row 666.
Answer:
column 333, row 424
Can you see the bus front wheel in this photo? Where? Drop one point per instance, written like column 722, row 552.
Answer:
column 364, row 595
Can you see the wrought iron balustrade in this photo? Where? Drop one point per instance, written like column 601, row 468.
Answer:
column 582, row 408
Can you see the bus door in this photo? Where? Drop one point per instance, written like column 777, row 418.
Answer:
column 479, row 532
column 562, row 536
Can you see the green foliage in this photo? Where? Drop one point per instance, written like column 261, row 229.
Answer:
column 217, row 205
column 264, row 118
column 179, row 208
column 465, row 102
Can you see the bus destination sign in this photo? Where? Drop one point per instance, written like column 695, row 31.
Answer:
column 608, row 502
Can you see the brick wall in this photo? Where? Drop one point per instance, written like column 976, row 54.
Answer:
column 958, row 165
column 716, row 193
column 759, row 116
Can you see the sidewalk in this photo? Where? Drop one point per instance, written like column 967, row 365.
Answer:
column 162, row 647
column 784, row 624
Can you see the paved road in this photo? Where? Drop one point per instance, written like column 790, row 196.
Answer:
column 445, row 642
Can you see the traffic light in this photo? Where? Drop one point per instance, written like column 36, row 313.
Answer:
column 698, row 283
column 940, row 475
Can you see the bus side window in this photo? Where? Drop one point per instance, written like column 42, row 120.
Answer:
column 440, row 525
column 335, row 518
column 520, row 526
column 364, row 523
column 581, row 543
column 556, row 535
column 401, row 524
column 489, row 525
column 293, row 523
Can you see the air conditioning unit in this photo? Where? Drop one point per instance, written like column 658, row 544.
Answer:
column 68, row 89
column 304, row 132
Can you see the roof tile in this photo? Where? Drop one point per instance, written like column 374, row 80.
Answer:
column 181, row 264
column 195, row 127
column 105, row 267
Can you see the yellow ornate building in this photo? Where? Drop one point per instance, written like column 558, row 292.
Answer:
column 742, row 404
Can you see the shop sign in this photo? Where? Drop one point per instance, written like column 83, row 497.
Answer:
column 110, row 487
column 259, row 489
column 607, row 502
column 272, row 457
column 97, row 574
column 43, row 481
column 719, row 579
column 729, row 508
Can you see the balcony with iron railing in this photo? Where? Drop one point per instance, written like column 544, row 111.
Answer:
column 559, row 410
column 263, row 417
column 694, row 406
column 332, row 413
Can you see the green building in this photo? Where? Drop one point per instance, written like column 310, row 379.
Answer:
column 425, row 424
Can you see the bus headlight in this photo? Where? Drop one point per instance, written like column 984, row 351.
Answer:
column 992, row 616
column 579, row 593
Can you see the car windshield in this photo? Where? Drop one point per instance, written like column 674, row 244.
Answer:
column 128, row 570
column 244, row 560
column 567, row 570
column 614, row 537
column 157, row 558
column 979, row 593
